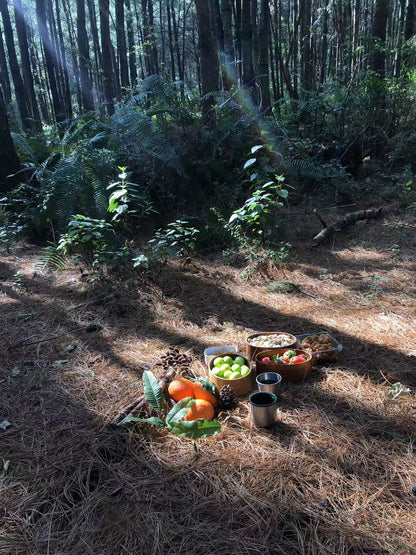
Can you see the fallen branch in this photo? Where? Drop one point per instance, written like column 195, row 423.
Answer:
column 139, row 402
column 350, row 219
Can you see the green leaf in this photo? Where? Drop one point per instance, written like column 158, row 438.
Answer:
column 152, row 390
column 283, row 193
column 249, row 163
column 154, row 420
column 196, row 429
column 5, row 424
column 209, row 386
column 179, row 411
column 233, row 218
column 256, row 148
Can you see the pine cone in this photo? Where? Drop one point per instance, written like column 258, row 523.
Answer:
column 228, row 397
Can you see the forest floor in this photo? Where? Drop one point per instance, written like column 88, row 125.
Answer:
column 334, row 476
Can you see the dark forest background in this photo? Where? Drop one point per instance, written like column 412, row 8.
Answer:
column 215, row 115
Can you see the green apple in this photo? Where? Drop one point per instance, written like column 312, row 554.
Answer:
column 228, row 360
column 235, row 367
column 239, row 360
column 235, row 376
column 218, row 362
column 244, row 370
column 225, row 367
column 227, row 374
column 217, row 372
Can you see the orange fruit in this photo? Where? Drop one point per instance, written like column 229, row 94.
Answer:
column 201, row 409
column 201, row 393
column 180, row 388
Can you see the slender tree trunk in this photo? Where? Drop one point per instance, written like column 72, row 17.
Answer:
column 131, row 45
column 67, row 92
column 263, row 63
column 121, row 44
column 19, row 87
column 73, row 50
column 106, row 64
column 247, row 47
column 409, row 28
column 97, row 50
column 324, row 43
column 209, row 56
column 9, row 162
column 305, row 45
column 176, row 38
column 379, row 35
column 171, row 42
column 25, row 63
column 4, row 73
column 84, row 58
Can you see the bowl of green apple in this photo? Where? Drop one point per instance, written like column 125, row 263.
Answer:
column 231, row 369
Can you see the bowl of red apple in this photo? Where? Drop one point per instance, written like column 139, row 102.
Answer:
column 294, row 365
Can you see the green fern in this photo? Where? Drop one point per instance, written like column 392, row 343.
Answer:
column 52, row 258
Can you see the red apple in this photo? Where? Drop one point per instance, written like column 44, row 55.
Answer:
column 266, row 360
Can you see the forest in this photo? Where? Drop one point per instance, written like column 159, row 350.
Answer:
column 178, row 180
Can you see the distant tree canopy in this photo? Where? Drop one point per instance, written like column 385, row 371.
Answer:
column 60, row 58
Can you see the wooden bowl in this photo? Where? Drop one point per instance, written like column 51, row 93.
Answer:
column 252, row 350
column 289, row 372
column 241, row 386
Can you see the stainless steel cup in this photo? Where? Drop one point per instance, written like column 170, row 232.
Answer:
column 270, row 381
column 263, row 408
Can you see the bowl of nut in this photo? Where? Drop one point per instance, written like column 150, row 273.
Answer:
column 322, row 345
column 272, row 340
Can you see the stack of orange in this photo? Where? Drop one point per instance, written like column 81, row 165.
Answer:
column 205, row 401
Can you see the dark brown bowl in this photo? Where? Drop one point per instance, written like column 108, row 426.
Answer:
column 289, row 372
column 252, row 350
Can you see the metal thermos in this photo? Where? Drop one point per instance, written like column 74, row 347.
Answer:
column 263, row 408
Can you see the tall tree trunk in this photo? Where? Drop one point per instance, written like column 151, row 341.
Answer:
column 409, row 28
column 305, row 45
column 97, row 50
column 21, row 30
column 73, row 49
column 171, row 42
column 84, row 58
column 4, row 73
column 106, row 64
column 324, row 42
column 247, row 47
column 263, row 62
column 209, row 56
column 19, row 87
column 131, row 45
column 65, row 85
column 9, row 162
column 50, row 54
column 121, row 44
column 176, row 38
column 379, row 35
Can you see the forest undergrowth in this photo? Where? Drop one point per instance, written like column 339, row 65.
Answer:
column 335, row 474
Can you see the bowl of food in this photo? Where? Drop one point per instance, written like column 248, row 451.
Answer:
column 294, row 365
column 271, row 340
column 323, row 346
column 231, row 369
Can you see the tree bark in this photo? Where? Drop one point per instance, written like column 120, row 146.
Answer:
column 263, row 62
column 379, row 36
column 247, row 47
column 21, row 30
column 9, row 162
column 84, row 58
column 208, row 55
column 4, row 73
column 19, row 87
column 106, row 65
column 121, row 45
column 50, row 54
column 131, row 45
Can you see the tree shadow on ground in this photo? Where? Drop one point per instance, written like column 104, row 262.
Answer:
column 75, row 487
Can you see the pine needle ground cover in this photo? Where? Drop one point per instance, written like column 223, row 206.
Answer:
column 334, row 476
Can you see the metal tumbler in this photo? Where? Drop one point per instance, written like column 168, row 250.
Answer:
column 270, row 381
column 263, row 408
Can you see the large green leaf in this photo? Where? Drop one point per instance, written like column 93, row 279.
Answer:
column 179, row 411
column 196, row 429
column 154, row 420
column 249, row 163
column 152, row 390
column 209, row 386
